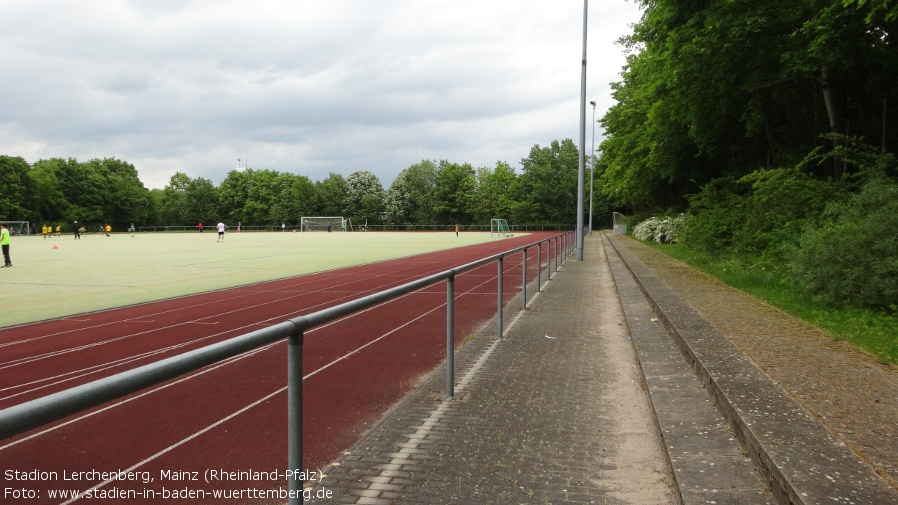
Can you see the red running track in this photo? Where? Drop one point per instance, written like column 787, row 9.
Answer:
column 232, row 416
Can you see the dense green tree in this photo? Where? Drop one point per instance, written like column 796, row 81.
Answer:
column 719, row 89
column 410, row 199
column 454, row 193
column 549, row 183
column 497, row 193
column 233, row 194
column 50, row 202
column 16, row 190
column 109, row 190
column 154, row 207
column 174, row 200
column 201, row 202
column 330, row 195
column 370, row 211
column 86, row 189
column 304, row 195
column 296, row 197
column 879, row 12
column 95, row 192
column 126, row 200
column 263, row 191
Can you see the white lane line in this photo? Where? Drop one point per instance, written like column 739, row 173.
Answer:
column 141, row 395
column 181, row 442
column 410, row 449
column 250, row 406
column 235, row 359
column 349, row 294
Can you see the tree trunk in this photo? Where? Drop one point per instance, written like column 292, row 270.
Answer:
column 835, row 109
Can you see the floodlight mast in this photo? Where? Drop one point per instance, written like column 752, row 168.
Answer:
column 592, row 164
column 581, row 171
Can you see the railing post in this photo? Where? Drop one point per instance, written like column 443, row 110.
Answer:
column 548, row 260
column 539, row 266
column 450, row 336
column 524, row 281
column 294, row 417
column 499, row 290
column 555, row 255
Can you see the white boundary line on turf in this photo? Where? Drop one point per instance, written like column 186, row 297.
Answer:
column 242, row 292
column 75, row 374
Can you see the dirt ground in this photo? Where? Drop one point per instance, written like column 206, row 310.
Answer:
column 853, row 394
column 635, row 474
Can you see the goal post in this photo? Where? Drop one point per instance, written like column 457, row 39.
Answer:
column 499, row 228
column 17, row 227
column 322, row 223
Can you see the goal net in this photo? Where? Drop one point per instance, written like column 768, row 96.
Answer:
column 17, row 227
column 499, row 228
column 322, row 223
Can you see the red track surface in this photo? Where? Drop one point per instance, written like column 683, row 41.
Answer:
column 232, row 416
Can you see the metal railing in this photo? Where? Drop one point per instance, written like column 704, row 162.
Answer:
column 35, row 413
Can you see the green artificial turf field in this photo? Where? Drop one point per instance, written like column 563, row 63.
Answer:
column 99, row 272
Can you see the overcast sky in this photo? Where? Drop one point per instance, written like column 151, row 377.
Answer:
column 301, row 86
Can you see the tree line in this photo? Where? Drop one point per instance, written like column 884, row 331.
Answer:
column 60, row 191
column 773, row 126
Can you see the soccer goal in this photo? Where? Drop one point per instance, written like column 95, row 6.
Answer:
column 499, row 228
column 322, row 223
column 17, row 227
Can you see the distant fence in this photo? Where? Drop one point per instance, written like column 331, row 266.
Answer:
column 373, row 227
column 26, row 416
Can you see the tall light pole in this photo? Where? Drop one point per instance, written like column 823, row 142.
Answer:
column 592, row 164
column 580, row 173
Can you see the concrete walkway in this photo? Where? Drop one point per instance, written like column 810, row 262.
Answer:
column 605, row 391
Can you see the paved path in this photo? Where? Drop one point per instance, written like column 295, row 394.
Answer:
column 555, row 413
column 590, row 400
column 845, row 388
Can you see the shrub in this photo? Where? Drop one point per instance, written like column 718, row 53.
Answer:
column 852, row 259
column 781, row 203
column 716, row 214
column 760, row 215
column 663, row 231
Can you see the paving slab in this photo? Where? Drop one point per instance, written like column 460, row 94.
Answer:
column 557, row 412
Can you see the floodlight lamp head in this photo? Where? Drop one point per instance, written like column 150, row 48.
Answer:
column 593, row 103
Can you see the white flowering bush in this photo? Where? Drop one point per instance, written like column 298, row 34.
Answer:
column 660, row 230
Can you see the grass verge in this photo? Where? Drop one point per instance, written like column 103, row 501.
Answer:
column 876, row 332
